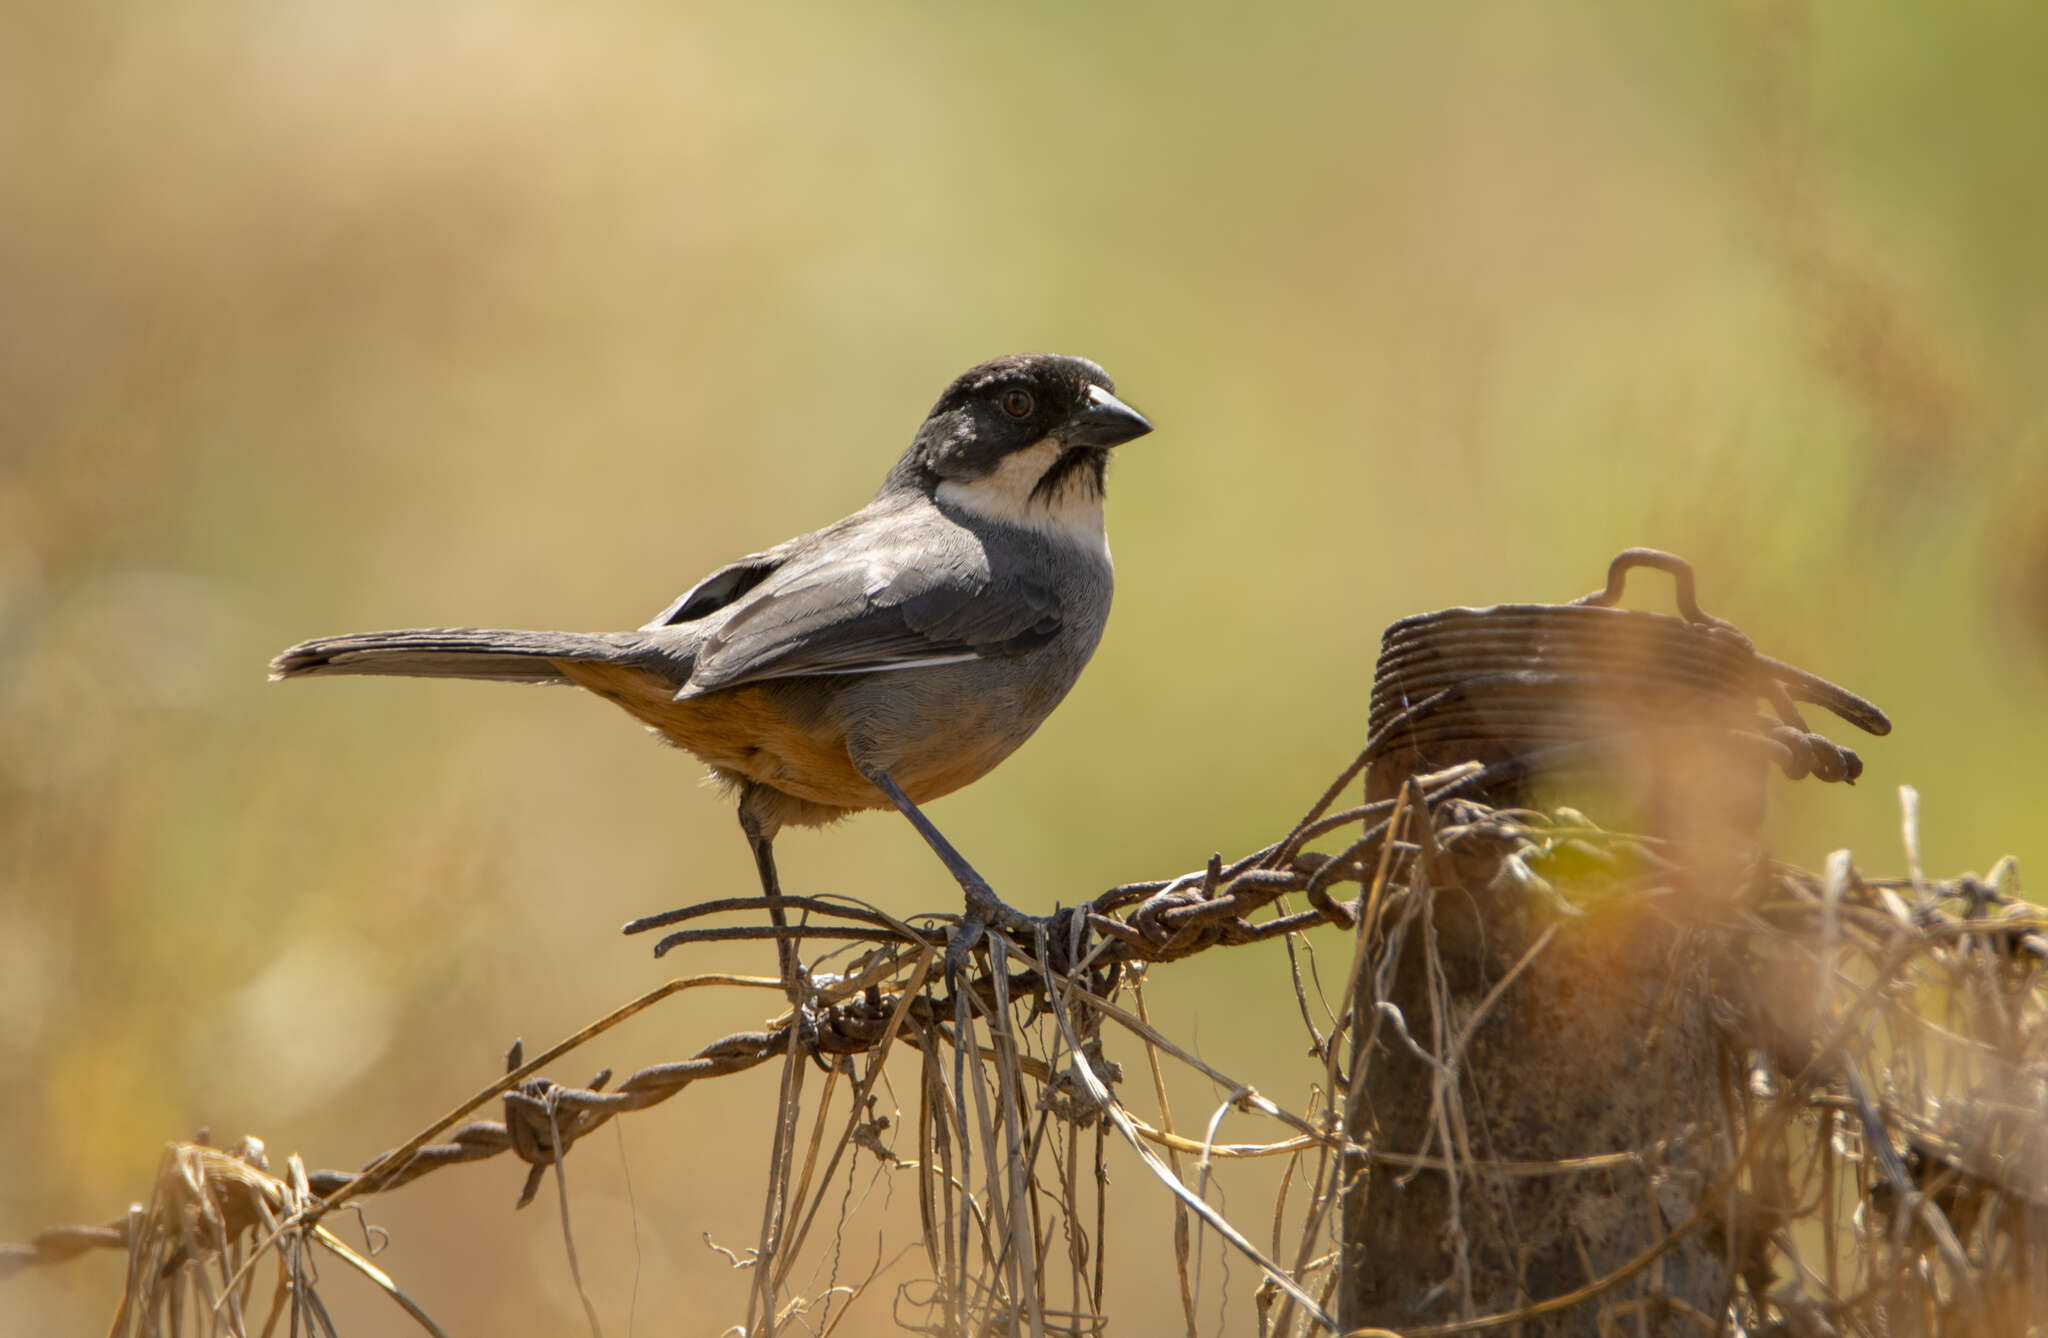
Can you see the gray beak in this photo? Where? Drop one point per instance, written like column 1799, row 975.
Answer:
column 1107, row 421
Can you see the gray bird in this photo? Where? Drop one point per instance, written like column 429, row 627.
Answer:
column 885, row 660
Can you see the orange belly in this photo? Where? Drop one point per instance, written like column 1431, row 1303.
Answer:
column 790, row 735
column 749, row 731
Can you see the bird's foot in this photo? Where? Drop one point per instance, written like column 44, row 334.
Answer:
column 984, row 910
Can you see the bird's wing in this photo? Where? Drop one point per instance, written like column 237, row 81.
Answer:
column 877, row 599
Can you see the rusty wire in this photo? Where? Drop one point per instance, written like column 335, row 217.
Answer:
column 1160, row 920
column 1016, row 1090
column 1902, row 1159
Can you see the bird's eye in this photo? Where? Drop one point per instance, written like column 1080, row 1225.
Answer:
column 1017, row 403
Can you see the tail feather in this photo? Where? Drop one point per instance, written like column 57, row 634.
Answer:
column 453, row 652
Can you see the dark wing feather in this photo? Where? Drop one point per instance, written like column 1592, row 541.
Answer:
column 876, row 606
column 717, row 590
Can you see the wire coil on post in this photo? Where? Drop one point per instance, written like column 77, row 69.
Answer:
column 1668, row 710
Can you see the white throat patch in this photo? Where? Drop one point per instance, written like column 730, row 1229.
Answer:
column 1073, row 512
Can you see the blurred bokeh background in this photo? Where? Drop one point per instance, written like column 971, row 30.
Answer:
column 328, row 317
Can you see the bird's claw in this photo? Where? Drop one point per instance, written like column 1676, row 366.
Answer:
column 962, row 944
column 984, row 909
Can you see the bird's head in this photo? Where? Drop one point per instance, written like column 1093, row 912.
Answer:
column 1023, row 439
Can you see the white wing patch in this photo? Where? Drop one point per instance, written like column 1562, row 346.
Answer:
column 887, row 666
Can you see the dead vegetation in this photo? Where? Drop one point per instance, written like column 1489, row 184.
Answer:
column 1879, row 1148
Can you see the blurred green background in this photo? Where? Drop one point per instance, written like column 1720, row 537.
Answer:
column 328, row 317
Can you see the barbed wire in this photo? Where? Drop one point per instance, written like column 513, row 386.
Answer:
column 1152, row 921
column 1156, row 921
column 1070, row 967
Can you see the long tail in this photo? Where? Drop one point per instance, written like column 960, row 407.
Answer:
column 456, row 652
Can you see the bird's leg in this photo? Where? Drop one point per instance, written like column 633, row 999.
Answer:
column 984, row 907
column 760, row 832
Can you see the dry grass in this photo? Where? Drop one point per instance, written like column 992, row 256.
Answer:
column 1883, row 1046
